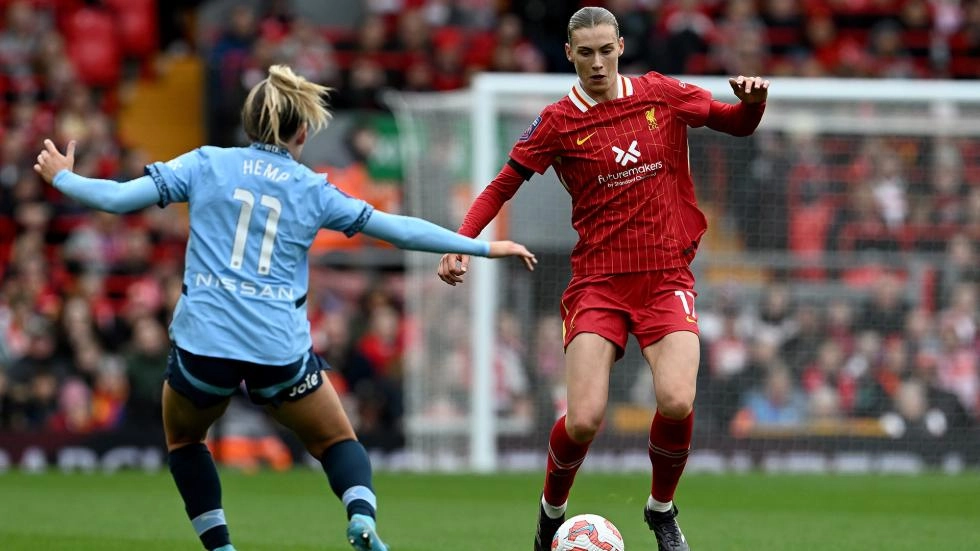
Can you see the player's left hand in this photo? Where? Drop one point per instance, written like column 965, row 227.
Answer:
column 750, row 89
column 50, row 161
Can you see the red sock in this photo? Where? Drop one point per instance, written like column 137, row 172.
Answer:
column 670, row 443
column 565, row 456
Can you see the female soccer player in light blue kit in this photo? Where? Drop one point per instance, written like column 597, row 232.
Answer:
column 254, row 212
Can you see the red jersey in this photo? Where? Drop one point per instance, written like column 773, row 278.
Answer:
column 625, row 164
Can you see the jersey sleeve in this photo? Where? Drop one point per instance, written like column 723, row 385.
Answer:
column 341, row 212
column 691, row 103
column 174, row 178
column 537, row 147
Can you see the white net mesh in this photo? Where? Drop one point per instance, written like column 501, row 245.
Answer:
column 838, row 297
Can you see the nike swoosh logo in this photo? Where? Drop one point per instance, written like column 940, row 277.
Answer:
column 690, row 319
column 581, row 141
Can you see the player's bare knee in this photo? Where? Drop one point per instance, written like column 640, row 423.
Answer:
column 676, row 407
column 583, row 428
column 175, row 443
column 318, row 446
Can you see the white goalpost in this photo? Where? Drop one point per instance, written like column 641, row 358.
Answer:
column 483, row 376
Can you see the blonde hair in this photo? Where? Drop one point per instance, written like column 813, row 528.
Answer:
column 589, row 17
column 277, row 107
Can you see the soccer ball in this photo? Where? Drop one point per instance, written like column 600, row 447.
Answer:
column 587, row 533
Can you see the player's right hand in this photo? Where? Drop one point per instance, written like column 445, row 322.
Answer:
column 50, row 161
column 499, row 249
column 452, row 267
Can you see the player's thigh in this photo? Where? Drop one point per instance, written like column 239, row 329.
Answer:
column 674, row 363
column 318, row 418
column 595, row 305
column 184, row 422
column 588, row 362
column 196, row 392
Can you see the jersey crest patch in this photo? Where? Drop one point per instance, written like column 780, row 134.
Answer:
column 652, row 119
column 530, row 130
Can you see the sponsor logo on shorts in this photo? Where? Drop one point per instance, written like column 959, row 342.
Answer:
column 309, row 383
column 690, row 319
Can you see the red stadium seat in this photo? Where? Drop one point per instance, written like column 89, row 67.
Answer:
column 137, row 20
column 964, row 66
column 8, row 229
column 93, row 46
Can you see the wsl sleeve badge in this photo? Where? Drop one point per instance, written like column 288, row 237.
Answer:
column 530, row 130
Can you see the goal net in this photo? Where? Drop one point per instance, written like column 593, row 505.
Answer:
column 838, row 294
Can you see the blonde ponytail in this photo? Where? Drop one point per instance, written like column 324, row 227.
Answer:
column 276, row 107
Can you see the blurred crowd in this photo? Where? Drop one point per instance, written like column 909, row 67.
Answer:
column 85, row 298
column 794, row 362
column 435, row 45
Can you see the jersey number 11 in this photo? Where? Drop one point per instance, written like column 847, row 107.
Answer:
column 241, row 232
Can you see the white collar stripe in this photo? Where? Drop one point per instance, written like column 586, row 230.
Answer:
column 581, row 99
column 627, row 89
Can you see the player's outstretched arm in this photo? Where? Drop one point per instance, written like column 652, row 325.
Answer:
column 407, row 232
column 106, row 195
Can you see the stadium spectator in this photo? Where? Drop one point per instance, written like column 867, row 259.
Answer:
column 867, row 351
column 886, row 307
column 890, row 57
column 548, row 372
column 74, row 413
column 839, row 324
column 910, row 416
column 925, row 371
column 312, row 56
column 637, row 25
column 511, row 52
column 776, row 314
column 731, row 361
column 877, row 387
column 512, row 395
column 143, row 356
column 689, row 33
column 860, row 225
column 823, row 407
column 784, row 23
column 227, row 61
column 778, row 403
column 739, row 45
column 799, row 349
column 826, row 372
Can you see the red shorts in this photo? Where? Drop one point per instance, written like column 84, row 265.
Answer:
column 649, row 305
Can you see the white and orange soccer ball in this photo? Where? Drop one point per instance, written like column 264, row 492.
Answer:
column 587, row 533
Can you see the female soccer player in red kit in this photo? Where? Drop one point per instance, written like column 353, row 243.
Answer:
column 619, row 146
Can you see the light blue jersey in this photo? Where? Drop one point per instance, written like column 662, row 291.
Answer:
column 254, row 213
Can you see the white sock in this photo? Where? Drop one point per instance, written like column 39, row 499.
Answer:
column 659, row 506
column 551, row 510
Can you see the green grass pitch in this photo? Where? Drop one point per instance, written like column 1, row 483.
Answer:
column 296, row 511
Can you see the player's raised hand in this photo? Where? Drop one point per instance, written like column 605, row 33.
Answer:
column 50, row 161
column 452, row 267
column 750, row 89
column 499, row 249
